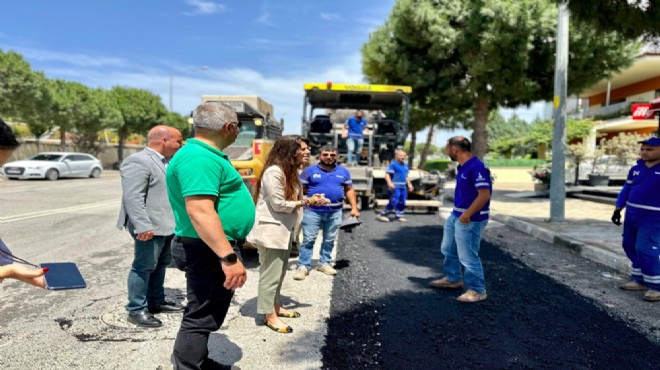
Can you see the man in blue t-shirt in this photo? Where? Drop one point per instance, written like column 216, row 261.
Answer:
column 464, row 227
column 334, row 182
column 398, row 185
column 641, row 228
column 355, row 139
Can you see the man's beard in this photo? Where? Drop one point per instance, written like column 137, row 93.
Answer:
column 329, row 162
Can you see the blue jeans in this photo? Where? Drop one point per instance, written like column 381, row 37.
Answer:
column 354, row 146
column 398, row 198
column 147, row 275
column 641, row 242
column 312, row 221
column 460, row 246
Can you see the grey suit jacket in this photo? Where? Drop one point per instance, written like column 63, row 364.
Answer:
column 144, row 204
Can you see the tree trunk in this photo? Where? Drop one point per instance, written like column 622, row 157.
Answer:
column 427, row 147
column 413, row 142
column 62, row 140
column 479, row 135
column 122, row 134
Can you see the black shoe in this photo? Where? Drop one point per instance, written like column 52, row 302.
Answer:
column 166, row 307
column 144, row 319
column 211, row 364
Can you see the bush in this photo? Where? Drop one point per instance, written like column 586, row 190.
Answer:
column 519, row 162
column 438, row 164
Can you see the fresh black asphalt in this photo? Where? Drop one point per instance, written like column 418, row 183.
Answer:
column 384, row 315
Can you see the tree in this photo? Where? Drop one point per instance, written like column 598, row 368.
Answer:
column 140, row 110
column 177, row 121
column 21, row 89
column 632, row 18
column 540, row 133
column 101, row 112
column 70, row 106
column 506, row 137
column 487, row 53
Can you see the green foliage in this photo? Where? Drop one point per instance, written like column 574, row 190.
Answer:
column 518, row 162
column 633, row 18
column 458, row 54
column 437, row 164
column 541, row 131
column 21, row 89
column 420, row 146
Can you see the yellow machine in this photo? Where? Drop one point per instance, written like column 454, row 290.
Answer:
column 258, row 133
column 380, row 142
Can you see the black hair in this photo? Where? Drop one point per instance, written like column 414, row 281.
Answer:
column 7, row 137
column 328, row 148
column 461, row 143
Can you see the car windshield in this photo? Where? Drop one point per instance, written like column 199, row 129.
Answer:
column 247, row 134
column 46, row 157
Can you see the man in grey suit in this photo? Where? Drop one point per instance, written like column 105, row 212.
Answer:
column 147, row 215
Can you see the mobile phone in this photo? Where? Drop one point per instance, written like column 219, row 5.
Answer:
column 63, row 275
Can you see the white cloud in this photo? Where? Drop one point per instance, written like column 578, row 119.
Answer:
column 204, row 7
column 77, row 59
column 330, row 16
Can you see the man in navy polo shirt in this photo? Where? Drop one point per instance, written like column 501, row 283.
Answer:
column 398, row 185
column 355, row 140
column 641, row 228
column 328, row 178
column 465, row 225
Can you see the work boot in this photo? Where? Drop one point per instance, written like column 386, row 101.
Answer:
column 652, row 296
column 444, row 283
column 632, row 286
column 301, row 273
column 383, row 218
column 471, row 296
column 326, row 269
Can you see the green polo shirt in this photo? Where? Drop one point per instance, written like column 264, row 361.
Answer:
column 199, row 169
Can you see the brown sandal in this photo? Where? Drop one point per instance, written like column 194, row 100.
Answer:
column 284, row 330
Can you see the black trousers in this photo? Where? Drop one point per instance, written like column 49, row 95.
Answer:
column 208, row 301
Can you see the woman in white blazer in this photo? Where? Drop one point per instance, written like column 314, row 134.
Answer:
column 278, row 212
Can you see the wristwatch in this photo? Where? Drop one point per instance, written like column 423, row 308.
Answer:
column 231, row 258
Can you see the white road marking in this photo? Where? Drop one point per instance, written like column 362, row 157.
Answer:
column 50, row 212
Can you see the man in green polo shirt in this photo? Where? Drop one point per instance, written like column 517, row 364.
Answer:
column 213, row 209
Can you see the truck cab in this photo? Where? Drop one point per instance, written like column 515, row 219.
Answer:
column 259, row 130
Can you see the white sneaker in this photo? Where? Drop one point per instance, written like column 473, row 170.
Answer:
column 301, row 273
column 383, row 218
column 401, row 219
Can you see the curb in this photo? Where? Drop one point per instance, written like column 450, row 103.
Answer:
column 589, row 251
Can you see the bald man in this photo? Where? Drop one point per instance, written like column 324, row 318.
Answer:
column 147, row 215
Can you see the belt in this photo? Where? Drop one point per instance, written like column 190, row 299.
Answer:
column 196, row 241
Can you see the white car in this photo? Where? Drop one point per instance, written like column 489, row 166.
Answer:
column 53, row 165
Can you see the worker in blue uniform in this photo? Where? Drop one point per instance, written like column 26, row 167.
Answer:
column 641, row 228
column 398, row 185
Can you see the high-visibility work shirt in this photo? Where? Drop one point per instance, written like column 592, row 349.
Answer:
column 330, row 183
column 470, row 177
column 199, row 169
column 641, row 192
column 398, row 173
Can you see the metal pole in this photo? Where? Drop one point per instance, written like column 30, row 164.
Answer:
column 171, row 91
column 557, row 183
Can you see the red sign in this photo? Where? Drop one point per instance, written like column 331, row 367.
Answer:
column 641, row 111
column 256, row 147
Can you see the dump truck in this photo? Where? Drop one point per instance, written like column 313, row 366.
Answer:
column 259, row 130
column 381, row 140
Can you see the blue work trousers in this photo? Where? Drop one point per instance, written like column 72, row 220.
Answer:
column 641, row 242
column 398, row 198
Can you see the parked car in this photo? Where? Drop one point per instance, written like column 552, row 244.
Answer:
column 53, row 165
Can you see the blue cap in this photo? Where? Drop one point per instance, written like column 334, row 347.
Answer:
column 652, row 141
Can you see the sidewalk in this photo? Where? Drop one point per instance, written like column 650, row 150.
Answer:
column 587, row 229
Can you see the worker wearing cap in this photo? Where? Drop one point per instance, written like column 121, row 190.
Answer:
column 641, row 228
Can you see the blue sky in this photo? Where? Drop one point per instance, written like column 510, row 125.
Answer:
column 233, row 47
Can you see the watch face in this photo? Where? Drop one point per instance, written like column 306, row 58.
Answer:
column 231, row 258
